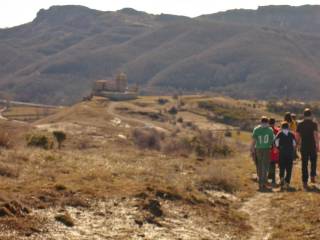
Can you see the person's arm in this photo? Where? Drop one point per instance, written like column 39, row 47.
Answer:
column 316, row 136
column 316, row 139
column 253, row 146
column 298, row 136
column 294, row 142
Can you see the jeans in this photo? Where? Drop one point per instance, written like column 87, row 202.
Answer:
column 263, row 162
column 286, row 164
column 307, row 155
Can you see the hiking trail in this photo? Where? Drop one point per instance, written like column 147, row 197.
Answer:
column 259, row 210
column 112, row 111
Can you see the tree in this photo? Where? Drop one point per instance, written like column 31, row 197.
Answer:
column 60, row 137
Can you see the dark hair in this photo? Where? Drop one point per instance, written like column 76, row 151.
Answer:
column 284, row 125
column 287, row 117
column 272, row 121
column 264, row 119
column 307, row 112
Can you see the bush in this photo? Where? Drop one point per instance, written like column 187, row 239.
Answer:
column 60, row 137
column 173, row 110
column 5, row 141
column 162, row 101
column 177, row 146
column 205, row 144
column 280, row 107
column 228, row 133
column 40, row 141
column 229, row 115
column 148, row 138
column 180, row 120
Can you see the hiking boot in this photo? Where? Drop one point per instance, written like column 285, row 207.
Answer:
column 266, row 189
column 287, row 186
column 313, row 179
column 282, row 182
column 260, row 188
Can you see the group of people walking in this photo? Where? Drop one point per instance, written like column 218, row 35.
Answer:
column 273, row 146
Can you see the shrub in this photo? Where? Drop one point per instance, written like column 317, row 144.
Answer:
column 220, row 182
column 200, row 150
column 178, row 146
column 60, row 137
column 205, row 144
column 5, row 141
column 38, row 140
column 148, row 138
column 180, row 120
column 162, row 101
column 229, row 115
column 228, row 133
column 190, row 125
column 173, row 110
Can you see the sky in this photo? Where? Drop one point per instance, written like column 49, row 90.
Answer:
column 16, row 12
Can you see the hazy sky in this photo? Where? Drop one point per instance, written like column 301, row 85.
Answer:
column 15, row 12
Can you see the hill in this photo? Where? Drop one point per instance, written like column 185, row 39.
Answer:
column 181, row 181
column 302, row 19
column 56, row 57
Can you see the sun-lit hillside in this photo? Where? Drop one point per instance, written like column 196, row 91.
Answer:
column 56, row 57
column 157, row 166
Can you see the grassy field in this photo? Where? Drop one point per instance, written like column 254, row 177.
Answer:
column 102, row 176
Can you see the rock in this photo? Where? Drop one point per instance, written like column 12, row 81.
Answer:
column 13, row 208
column 168, row 196
column 4, row 212
column 138, row 222
column 65, row 219
column 154, row 208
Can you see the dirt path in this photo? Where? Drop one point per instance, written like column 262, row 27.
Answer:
column 111, row 110
column 259, row 210
column 2, row 111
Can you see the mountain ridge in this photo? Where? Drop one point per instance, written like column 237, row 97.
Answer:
column 56, row 57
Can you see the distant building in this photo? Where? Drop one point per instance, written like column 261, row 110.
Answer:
column 115, row 89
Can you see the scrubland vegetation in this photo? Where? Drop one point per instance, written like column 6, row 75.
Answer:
column 115, row 164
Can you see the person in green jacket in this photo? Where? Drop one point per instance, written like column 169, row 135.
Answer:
column 262, row 140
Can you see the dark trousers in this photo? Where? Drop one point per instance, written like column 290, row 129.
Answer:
column 272, row 172
column 286, row 163
column 307, row 155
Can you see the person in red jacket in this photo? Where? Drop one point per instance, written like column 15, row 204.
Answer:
column 274, row 159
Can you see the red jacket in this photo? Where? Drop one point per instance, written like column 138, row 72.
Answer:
column 274, row 151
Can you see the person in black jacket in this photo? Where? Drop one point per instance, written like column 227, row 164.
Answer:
column 307, row 138
column 285, row 141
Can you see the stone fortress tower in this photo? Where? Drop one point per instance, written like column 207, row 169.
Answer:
column 122, row 82
column 115, row 89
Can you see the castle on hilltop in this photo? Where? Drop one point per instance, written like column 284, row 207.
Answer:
column 115, row 89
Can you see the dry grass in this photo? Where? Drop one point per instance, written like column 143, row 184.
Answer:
column 96, row 164
column 5, row 140
column 147, row 138
column 8, row 171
